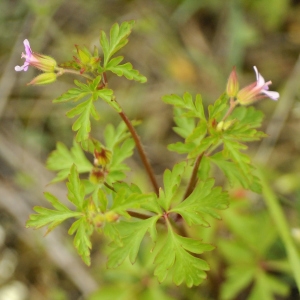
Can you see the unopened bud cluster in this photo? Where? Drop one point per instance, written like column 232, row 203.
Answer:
column 102, row 158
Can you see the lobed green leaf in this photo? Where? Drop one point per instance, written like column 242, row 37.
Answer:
column 234, row 175
column 82, row 241
column 185, row 126
column 83, row 124
column 194, row 108
column 217, row 110
column 74, row 94
column 114, row 136
column 50, row 217
column 201, row 203
column 62, row 159
column 175, row 256
column 118, row 39
column 172, row 180
column 125, row 70
column 128, row 197
column 76, row 190
column 132, row 234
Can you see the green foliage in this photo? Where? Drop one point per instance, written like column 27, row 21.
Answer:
column 131, row 234
column 86, row 108
column 110, row 204
column 201, row 203
column 82, row 242
column 217, row 110
column 128, row 197
column 124, row 70
column 62, row 159
column 76, row 189
column 172, row 180
column 83, row 90
column 50, row 217
column 176, row 256
column 250, row 256
column 191, row 124
column 194, row 108
column 118, row 39
column 176, row 251
column 83, row 123
column 203, row 135
column 96, row 88
column 116, row 140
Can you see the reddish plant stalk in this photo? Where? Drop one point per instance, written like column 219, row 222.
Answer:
column 141, row 151
column 194, row 178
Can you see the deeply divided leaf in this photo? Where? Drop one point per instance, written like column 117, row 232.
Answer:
column 83, row 124
column 82, row 241
column 202, row 203
column 178, row 256
column 76, row 190
column 132, row 234
column 125, row 70
column 118, row 39
column 128, row 197
column 172, row 180
column 194, row 108
column 50, row 217
column 62, row 159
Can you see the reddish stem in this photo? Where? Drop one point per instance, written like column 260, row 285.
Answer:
column 194, row 178
column 232, row 104
column 141, row 151
column 144, row 217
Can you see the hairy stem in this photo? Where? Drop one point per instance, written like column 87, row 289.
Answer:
column 194, row 178
column 62, row 71
column 141, row 151
column 232, row 104
column 143, row 216
column 109, row 186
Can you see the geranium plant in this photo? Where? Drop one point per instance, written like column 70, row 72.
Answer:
column 105, row 201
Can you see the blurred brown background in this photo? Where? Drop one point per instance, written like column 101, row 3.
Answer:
column 178, row 45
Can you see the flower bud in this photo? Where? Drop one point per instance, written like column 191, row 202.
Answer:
column 102, row 157
column 220, row 126
column 85, row 61
column 44, row 78
column 43, row 62
column 232, row 87
column 228, row 124
column 98, row 220
column 97, row 176
column 111, row 216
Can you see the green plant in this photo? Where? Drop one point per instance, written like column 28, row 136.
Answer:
column 108, row 203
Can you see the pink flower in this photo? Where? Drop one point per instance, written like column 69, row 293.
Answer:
column 27, row 57
column 265, row 86
column 256, row 91
column 42, row 62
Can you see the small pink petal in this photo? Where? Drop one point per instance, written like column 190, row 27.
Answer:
column 27, row 48
column 27, row 56
column 260, row 80
column 18, row 68
column 271, row 94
